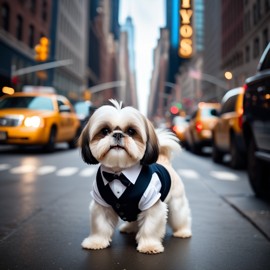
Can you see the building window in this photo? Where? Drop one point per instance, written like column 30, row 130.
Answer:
column 22, row 2
column 5, row 17
column 254, row 14
column 44, row 10
column 33, row 5
column 247, row 54
column 246, row 22
column 31, row 41
column 265, row 38
column 259, row 9
column 267, row 5
column 256, row 47
column 19, row 27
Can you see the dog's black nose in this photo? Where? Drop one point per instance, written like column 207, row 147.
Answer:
column 118, row 135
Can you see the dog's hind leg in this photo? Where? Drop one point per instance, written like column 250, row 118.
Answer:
column 179, row 217
column 103, row 222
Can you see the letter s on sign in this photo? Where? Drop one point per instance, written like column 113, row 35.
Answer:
column 185, row 49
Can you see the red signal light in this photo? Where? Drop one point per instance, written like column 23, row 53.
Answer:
column 199, row 126
column 15, row 80
column 240, row 117
column 174, row 110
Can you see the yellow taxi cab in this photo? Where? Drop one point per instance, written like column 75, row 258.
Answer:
column 199, row 132
column 179, row 125
column 38, row 119
column 227, row 133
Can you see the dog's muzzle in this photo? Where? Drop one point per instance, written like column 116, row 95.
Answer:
column 118, row 136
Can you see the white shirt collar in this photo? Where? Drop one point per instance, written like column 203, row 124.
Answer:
column 131, row 173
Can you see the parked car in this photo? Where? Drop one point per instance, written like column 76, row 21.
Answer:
column 38, row 119
column 256, row 126
column 227, row 133
column 179, row 126
column 199, row 132
column 84, row 110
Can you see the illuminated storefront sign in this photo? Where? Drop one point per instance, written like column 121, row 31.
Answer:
column 185, row 44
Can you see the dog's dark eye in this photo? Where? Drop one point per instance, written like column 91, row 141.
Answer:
column 131, row 131
column 105, row 131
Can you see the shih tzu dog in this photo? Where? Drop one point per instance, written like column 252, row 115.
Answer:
column 135, row 180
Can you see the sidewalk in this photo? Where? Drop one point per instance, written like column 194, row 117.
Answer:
column 255, row 210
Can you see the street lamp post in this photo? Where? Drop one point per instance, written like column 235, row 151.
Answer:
column 104, row 86
column 45, row 66
column 197, row 75
column 209, row 78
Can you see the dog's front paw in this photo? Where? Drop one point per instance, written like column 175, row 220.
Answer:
column 150, row 247
column 183, row 233
column 95, row 242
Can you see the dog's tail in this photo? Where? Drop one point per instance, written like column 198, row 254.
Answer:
column 168, row 143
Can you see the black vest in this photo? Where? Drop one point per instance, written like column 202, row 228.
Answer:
column 127, row 205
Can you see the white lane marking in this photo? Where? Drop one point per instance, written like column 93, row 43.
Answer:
column 224, row 176
column 68, row 171
column 23, row 169
column 188, row 173
column 4, row 167
column 87, row 172
column 46, row 170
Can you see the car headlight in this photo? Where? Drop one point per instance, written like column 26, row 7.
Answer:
column 33, row 121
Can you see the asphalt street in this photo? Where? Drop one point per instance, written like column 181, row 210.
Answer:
column 44, row 202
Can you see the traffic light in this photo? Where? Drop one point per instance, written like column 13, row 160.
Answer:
column 175, row 108
column 87, row 94
column 42, row 49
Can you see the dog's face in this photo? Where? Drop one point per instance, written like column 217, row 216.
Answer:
column 118, row 138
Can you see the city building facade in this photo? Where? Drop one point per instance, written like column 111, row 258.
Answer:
column 159, row 97
column 69, row 42
column 104, row 32
column 189, row 73
column 22, row 24
column 211, row 91
column 126, row 66
column 227, row 36
column 242, row 47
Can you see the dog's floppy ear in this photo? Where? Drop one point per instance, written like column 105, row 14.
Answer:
column 152, row 145
column 84, row 141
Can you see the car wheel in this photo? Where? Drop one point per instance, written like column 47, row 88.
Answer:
column 217, row 155
column 74, row 142
column 196, row 148
column 258, row 172
column 237, row 160
column 50, row 146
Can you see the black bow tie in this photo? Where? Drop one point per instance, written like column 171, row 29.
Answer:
column 110, row 177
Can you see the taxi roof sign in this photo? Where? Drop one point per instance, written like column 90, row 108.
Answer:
column 38, row 89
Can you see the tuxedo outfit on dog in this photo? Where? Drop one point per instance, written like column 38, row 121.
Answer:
column 134, row 190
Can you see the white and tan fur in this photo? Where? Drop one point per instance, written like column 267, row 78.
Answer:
column 139, row 143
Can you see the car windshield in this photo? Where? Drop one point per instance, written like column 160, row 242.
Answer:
column 34, row 103
column 207, row 112
column 81, row 108
column 179, row 121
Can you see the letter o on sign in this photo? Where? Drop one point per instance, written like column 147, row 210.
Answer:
column 186, row 31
